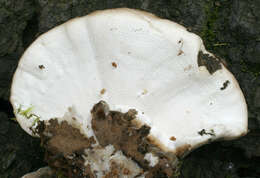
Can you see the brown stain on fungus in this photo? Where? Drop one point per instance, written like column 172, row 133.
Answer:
column 211, row 63
column 172, row 138
column 189, row 67
column 180, row 53
column 102, row 92
column 114, row 64
column 181, row 45
column 181, row 151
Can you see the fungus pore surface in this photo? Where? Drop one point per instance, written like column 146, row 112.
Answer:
column 132, row 60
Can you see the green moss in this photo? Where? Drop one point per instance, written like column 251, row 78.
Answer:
column 208, row 32
column 60, row 1
column 177, row 173
column 251, row 68
column 59, row 174
column 220, row 44
column 27, row 113
column 13, row 119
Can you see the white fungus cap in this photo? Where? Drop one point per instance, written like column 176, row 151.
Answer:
column 42, row 172
column 130, row 59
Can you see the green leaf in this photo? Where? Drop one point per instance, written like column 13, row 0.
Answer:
column 26, row 112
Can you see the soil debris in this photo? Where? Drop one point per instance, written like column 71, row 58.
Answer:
column 211, row 63
column 114, row 64
column 64, row 146
column 117, row 129
column 71, row 154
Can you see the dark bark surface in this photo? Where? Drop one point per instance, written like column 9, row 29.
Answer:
column 230, row 29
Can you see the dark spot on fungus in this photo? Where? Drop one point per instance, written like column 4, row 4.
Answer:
column 103, row 91
column 211, row 63
column 189, row 29
column 172, row 138
column 204, row 132
column 180, row 53
column 181, row 45
column 114, row 64
column 41, row 66
column 225, row 84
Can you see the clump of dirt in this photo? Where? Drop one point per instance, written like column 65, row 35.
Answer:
column 64, row 147
column 119, row 130
column 114, row 171
column 211, row 63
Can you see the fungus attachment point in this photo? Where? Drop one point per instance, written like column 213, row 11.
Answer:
column 154, row 54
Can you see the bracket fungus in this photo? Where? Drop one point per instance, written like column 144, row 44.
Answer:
column 164, row 91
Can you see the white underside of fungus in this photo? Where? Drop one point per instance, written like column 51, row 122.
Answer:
column 42, row 172
column 130, row 59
